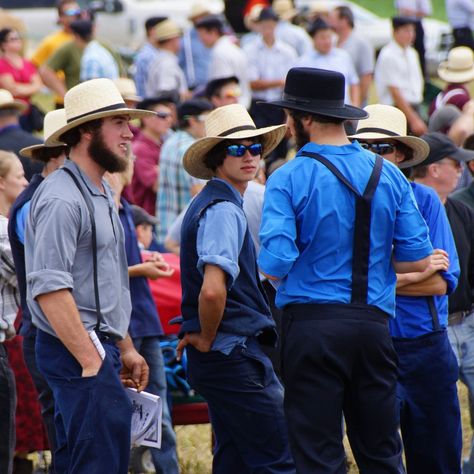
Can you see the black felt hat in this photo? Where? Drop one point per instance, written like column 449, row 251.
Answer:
column 317, row 91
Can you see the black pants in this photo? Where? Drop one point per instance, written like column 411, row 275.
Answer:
column 339, row 359
column 463, row 37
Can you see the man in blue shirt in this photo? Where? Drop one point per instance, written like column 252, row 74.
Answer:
column 429, row 407
column 338, row 279
column 225, row 311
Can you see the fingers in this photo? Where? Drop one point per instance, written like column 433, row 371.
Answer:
column 440, row 252
column 180, row 347
column 145, row 372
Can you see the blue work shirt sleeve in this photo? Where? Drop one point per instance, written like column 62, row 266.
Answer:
column 57, row 225
column 411, row 237
column 21, row 218
column 278, row 250
column 220, row 238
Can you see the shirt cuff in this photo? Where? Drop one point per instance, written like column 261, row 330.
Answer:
column 47, row 281
column 451, row 282
column 228, row 266
column 413, row 254
column 273, row 265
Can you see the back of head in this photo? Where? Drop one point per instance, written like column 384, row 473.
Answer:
column 151, row 22
column 192, row 108
column 318, row 25
column 344, row 12
column 211, row 22
column 7, row 158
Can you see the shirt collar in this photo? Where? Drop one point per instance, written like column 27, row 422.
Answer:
column 326, row 150
column 235, row 192
column 93, row 189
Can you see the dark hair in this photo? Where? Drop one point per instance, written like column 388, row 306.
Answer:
column 150, row 23
column 323, row 119
column 61, row 3
column 405, row 149
column 419, row 171
column 211, row 23
column 4, row 32
column 216, row 155
column 47, row 153
column 72, row 137
column 346, row 13
column 318, row 25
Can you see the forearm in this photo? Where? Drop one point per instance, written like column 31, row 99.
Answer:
column 261, row 84
column 211, row 311
column 355, row 94
column 61, row 311
column 126, row 344
column 365, row 81
column 400, row 102
column 52, row 81
column 136, row 270
column 408, row 284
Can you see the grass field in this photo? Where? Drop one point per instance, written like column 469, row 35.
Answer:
column 385, row 8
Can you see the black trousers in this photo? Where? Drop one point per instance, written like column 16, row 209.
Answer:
column 339, row 360
column 463, row 37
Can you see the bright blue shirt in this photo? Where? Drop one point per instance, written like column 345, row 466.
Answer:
column 413, row 315
column 219, row 241
column 307, row 229
column 21, row 218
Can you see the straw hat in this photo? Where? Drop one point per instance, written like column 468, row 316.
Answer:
column 459, row 67
column 127, row 89
column 166, row 30
column 387, row 122
column 8, row 102
column 284, row 9
column 230, row 122
column 53, row 121
column 198, row 9
column 91, row 100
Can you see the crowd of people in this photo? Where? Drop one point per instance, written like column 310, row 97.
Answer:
column 322, row 213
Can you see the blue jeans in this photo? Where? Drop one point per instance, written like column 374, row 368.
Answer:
column 245, row 402
column 7, row 413
column 92, row 414
column 430, row 419
column 461, row 337
column 164, row 459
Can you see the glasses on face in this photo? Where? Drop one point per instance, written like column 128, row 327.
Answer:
column 238, row 151
column 163, row 115
column 11, row 39
column 378, row 148
column 72, row 12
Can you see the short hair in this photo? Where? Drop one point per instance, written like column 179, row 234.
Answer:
column 346, row 13
column 215, row 86
column 72, row 137
column 318, row 25
column 400, row 21
column 6, row 160
column 323, row 119
column 4, row 32
column 9, row 112
column 151, row 22
column 405, row 149
column 61, row 3
column 211, row 23
column 47, row 153
column 419, row 171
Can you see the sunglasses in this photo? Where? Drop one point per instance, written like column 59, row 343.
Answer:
column 72, row 12
column 238, row 151
column 378, row 148
column 163, row 115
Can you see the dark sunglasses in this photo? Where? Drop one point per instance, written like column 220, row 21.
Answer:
column 239, row 150
column 378, row 148
column 72, row 12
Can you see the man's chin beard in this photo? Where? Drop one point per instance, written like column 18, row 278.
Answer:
column 104, row 156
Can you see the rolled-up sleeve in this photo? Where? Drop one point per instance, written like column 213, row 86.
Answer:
column 57, row 227
column 220, row 238
column 278, row 250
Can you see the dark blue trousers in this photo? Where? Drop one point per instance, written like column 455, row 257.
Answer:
column 7, row 413
column 45, row 395
column 92, row 414
column 338, row 359
column 245, row 402
column 430, row 418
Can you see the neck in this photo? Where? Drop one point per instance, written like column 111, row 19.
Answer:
column 89, row 167
column 4, row 206
column 404, row 46
column 269, row 40
column 6, row 121
column 11, row 56
column 328, row 134
column 342, row 35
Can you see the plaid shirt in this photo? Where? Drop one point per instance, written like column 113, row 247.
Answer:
column 97, row 62
column 9, row 297
column 174, row 189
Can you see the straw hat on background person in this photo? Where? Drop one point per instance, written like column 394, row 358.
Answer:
column 53, row 121
column 127, row 89
column 459, row 68
column 389, row 123
column 7, row 101
column 284, row 9
column 230, row 122
column 90, row 100
column 166, row 30
column 198, row 9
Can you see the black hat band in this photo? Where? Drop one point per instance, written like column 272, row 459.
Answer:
column 120, row 105
column 383, row 131
column 237, row 129
column 316, row 103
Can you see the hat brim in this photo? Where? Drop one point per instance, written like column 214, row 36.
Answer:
column 348, row 112
column 28, row 151
column 449, row 75
column 462, row 155
column 16, row 104
column 420, row 148
column 55, row 138
column 193, row 160
column 288, row 15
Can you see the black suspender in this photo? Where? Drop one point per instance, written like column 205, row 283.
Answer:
column 362, row 224
column 90, row 207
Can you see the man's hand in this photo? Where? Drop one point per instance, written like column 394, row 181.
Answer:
column 134, row 371
column 439, row 262
column 197, row 340
column 92, row 369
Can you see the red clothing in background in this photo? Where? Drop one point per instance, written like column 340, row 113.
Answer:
column 145, row 174
column 20, row 76
column 454, row 94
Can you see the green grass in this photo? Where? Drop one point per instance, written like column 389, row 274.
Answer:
column 385, row 8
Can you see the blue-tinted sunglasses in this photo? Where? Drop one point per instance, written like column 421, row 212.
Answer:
column 239, row 150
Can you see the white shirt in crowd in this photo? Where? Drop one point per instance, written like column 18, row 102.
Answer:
column 460, row 13
column 269, row 63
column 227, row 59
column 423, row 6
column 398, row 67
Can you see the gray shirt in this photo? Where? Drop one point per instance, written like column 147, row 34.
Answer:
column 361, row 52
column 58, row 252
column 460, row 13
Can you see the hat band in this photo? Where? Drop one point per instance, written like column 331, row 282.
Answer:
column 317, row 103
column 120, row 105
column 377, row 130
column 237, row 129
column 459, row 69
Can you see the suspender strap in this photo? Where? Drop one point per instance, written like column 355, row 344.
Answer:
column 362, row 224
column 90, row 208
column 434, row 313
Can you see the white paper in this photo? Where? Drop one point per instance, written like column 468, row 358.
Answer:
column 98, row 345
column 146, row 418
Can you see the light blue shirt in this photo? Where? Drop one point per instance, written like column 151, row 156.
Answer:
column 21, row 218
column 145, row 56
column 460, row 13
column 97, row 62
column 219, row 241
column 295, row 36
column 307, row 229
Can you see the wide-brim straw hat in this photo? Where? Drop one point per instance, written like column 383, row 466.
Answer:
column 284, row 9
column 198, row 9
column 230, row 122
column 7, row 101
column 91, row 100
column 165, row 30
column 53, row 121
column 389, row 123
column 459, row 68
column 127, row 89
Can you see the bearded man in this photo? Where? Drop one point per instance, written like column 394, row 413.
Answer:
column 77, row 285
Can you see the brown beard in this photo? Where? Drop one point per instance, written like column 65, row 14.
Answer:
column 301, row 135
column 104, row 156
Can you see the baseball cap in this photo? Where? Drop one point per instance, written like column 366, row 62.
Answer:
column 140, row 216
column 442, row 147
